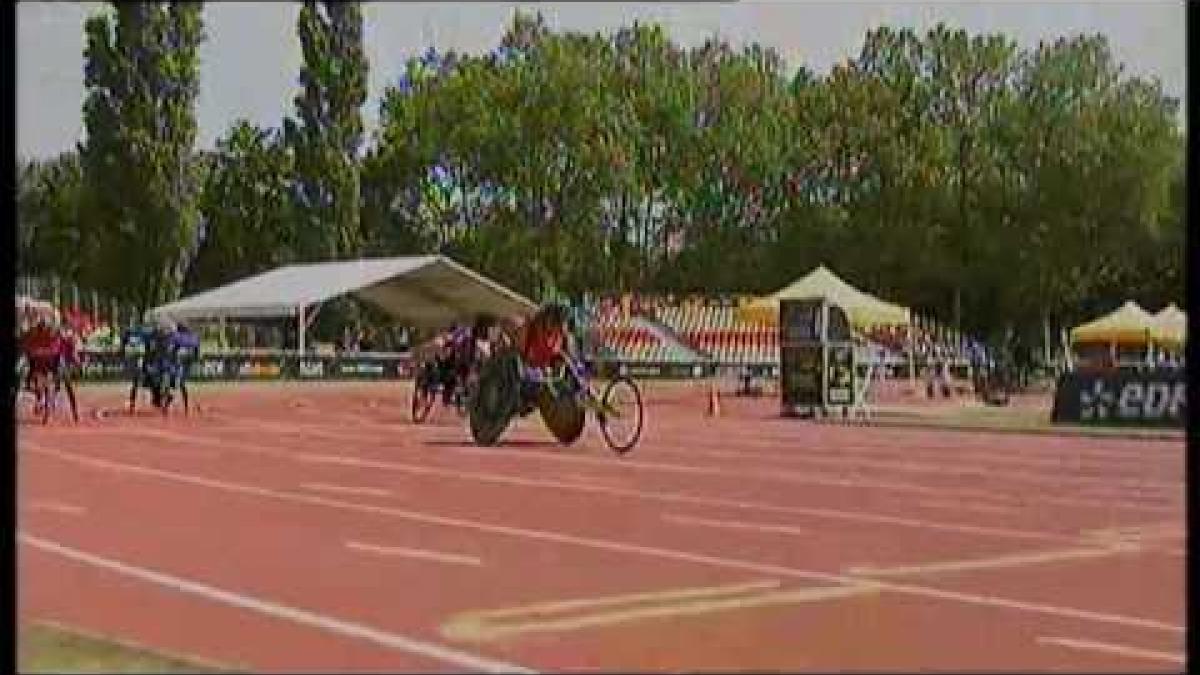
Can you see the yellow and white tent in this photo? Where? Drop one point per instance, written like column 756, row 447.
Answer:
column 1128, row 324
column 863, row 309
column 1171, row 324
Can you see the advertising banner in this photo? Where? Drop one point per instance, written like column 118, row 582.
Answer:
column 1152, row 398
column 111, row 366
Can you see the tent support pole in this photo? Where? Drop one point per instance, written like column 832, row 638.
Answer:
column 301, row 326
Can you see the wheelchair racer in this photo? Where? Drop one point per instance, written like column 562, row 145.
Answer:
column 51, row 352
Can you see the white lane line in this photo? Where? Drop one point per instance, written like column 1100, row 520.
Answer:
column 1132, row 652
column 345, row 489
column 954, row 505
column 692, row 499
column 57, row 507
column 605, row 602
column 1056, row 464
column 301, row 616
column 451, row 558
column 818, row 479
column 736, row 525
column 610, row 545
column 661, row 496
column 1011, row 560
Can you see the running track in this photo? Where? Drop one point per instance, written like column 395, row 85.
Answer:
column 313, row 527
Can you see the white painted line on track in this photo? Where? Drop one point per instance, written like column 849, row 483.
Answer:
column 954, row 505
column 692, row 499
column 1121, row 650
column 789, row 476
column 346, row 489
column 662, row 496
column 57, row 507
column 301, row 616
column 436, row 556
column 737, row 525
column 617, row 546
column 995, row 562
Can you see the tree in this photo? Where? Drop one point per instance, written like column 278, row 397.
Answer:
column 50, row 231
column 141, row 75
column 248, row 224
column 326, row 136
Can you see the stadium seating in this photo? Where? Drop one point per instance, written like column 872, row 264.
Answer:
column 710, row 328
column 634, row 339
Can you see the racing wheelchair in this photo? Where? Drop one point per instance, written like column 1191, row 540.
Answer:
column 431, row 382
column 162, row 372
column 563, row 396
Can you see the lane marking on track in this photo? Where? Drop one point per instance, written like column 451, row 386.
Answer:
column 346, row 489
column 436, row 556
column 1167, row 530
column 661, row 496
column 996, row 562
column 686, row 498
column 610, row 545
column 1121, row 650
column 816, row 479
column 57, row 507
column 736, row 525
column 279, row 611
column 939, row 462
column 593, row 480
column 673, row 594
column 966, row 506
column 492, row 625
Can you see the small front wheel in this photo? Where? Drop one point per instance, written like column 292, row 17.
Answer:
column 621, row 415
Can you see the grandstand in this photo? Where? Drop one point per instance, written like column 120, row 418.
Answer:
column 637, row 339
column 646, row 328
column 716, row 332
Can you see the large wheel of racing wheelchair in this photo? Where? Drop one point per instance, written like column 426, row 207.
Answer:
column 562, row 414
column 496, row 398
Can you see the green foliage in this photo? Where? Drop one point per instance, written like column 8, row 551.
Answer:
column 141, row 76
column 954, row 173
column 327, row 133
column 248, row 220
column 50, row 232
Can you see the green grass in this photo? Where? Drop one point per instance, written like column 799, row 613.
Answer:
column 44, row 648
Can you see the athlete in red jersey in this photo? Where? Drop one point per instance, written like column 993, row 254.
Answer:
column 545, row 338
column 51, row 353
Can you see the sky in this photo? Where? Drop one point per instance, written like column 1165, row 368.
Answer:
column 251, row 58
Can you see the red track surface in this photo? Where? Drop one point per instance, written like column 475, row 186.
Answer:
column 313, row 527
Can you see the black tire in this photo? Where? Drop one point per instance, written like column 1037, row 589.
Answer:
column 422, row 402
column 495, row 400
column 562, row 415
column 623, row 395
column 462, row 400
column 46, row 393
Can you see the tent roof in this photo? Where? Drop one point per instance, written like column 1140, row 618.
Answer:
column 423, row 290
column 1172, row 323
column 863, row 309
column 1128, row 323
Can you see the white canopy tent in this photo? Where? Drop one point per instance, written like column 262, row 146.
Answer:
column 426, row 291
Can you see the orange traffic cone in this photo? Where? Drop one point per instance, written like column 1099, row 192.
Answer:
column 714, row 401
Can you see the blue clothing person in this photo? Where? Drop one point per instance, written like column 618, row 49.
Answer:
column 167, row 354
